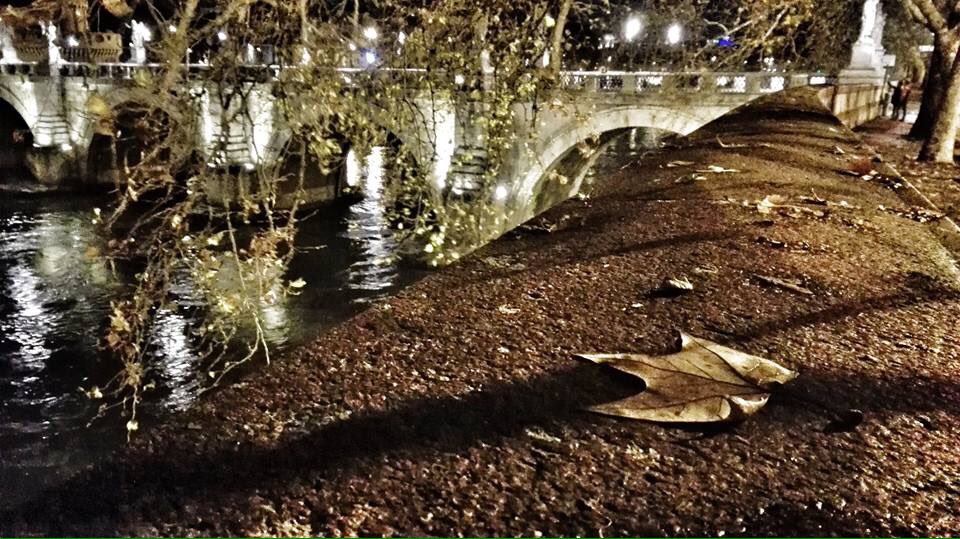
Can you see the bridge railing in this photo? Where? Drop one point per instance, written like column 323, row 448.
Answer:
column 629, row 82
column 253, row 72
column 609, row 82
column 658, row 81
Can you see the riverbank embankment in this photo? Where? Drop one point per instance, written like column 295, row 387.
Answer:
column 456, row 407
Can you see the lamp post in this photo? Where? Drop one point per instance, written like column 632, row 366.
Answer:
column 674, row 34
column 631, row 31
column 632, row 28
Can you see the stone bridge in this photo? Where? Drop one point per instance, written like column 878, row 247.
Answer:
column 589, row 106
column 46, row 106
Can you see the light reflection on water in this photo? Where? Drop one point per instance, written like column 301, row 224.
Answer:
column 367, row 226
column 55, row 295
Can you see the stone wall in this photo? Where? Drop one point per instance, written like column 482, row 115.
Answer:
column 854, row 104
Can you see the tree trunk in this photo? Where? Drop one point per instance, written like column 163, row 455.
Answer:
column 556, row 45
column 937, row 78
column 939, row 146
column 180, row 48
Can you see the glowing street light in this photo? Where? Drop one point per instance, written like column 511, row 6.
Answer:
column 72, row 41
column 222, row 35
column 632, row 28
column 141, row 32
column 371, row 33
column 674, row 34
column 369, row 58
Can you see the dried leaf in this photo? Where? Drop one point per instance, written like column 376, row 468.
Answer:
column 703, row 383
column 782, row 283
column 776, row 244
column 97, row 106
column 914, row 213
column 118, row 8
column 680, row 284
column 714, row 169
column 94, row 393
column 676, row 286
column 506, row 309
column 768, row 203
column 814, row 199
column 708, row 269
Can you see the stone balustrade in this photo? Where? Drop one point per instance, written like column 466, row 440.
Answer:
column 718, row 82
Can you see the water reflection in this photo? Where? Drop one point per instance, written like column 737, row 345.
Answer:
column 177, row 364
column 50, row 284
column 53, row 293
column 375, row 270
column 55, row 296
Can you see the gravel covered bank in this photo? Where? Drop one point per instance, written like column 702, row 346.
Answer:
column 455, row 407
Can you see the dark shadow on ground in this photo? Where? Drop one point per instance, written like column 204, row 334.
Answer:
column 577, row 257
column 210, row 477
column 839, row 311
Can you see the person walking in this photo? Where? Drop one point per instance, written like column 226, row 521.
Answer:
column 905, row 100
column 900, row 99
column 895, row 98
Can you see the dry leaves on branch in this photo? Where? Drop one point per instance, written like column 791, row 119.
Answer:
column 118, row 8
column 703, row 383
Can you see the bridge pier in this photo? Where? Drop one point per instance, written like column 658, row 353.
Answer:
column 52, row 167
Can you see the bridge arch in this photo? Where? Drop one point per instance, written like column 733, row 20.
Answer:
column 602, row 126
column 27, row 113
column 16, row 139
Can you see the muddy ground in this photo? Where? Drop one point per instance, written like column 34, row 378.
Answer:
column 456, row 408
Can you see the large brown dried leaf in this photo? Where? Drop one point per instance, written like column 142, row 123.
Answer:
column 703, row 383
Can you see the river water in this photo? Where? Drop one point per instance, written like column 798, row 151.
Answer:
column 55, row 295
